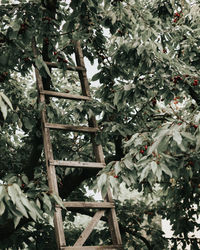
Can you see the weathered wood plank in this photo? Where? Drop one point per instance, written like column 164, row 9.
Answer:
column 111, row 247
column 77, row 164
column 51, row 172
column 71, row 128
column 82, row 74
column 83, row 204
column 87, row 231
column 112, row 221
column 73, row 68
column 65, row 95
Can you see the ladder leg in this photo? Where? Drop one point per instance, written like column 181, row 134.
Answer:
column 112, row 222
column 59, row 231
column 51, row 172
column 98, row 151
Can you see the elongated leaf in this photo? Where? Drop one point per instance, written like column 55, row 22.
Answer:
column 2, row 207
column 26, row 203
column 177, row 137
column 17, row 220
column 128, row 163
column 157, row 141
column 158, row 173
column 145, row 172
column 96, row 76
column 46, row 68
column 117, row 97
column 3, row 108
column 187, row 135
column 58, row 200
column 47, row 201
column 6, row 100
column 12, row 193
column 102, row 180
column 21, row 207
column 117, row 167
column 2, row 192
column 154, row 166
column 166, row 169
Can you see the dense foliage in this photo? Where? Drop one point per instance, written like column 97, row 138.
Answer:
column 146, row 100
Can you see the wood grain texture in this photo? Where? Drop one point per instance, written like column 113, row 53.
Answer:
column 82, row 204
column 87, row 231
column 71, row 128
column 111, row 247
column 65, row 95
column 72, row 68
column 77, row 164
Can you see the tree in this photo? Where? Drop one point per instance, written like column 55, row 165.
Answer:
column 147, row 103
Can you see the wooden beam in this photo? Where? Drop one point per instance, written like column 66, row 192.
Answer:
column 82, row 204
column 73, row 68
column 77, row 164
column 111, row 247
column 65, row 95
column 83, row 129
column 87, row 231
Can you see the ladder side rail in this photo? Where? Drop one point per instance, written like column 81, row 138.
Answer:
column 51, row 172
column 98, row 150
column 82, row 74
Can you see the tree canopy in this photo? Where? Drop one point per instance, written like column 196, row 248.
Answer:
column 146, row 100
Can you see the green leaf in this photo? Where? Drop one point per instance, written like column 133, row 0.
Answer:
column 166, row 169
column 4, row 60
column 27, row 123
column 17, row 220
column 187, row 135
column 3, row 108
column 35, row 211
column 12, row 193
column 158, row 173
column 117, row 167
column 25, row 179
column 96, row 76
column 104, row 190
column 117, row 97
column 102, row 181
column 21, row 208
column 128, row 162
column 153, row 166
column 177, row 137
column 39, row 62
column 197, row 142
column 2, row 191
column 6, row 100
column 145, row 172
column 157, row 141
column 47, row 201
column 26, row 203
column 46, row 68
column 58, row 200
column 2, row 208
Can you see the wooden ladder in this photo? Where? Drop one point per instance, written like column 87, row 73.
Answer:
column 108, row 203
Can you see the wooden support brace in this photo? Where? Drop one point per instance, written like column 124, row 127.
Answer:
column 85, row 234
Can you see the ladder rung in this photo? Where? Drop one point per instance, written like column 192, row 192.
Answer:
column 65, row 95
column 71, row 127
column 77, row 164
column 82, row 204
column 113, row 247
column 73, row 68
